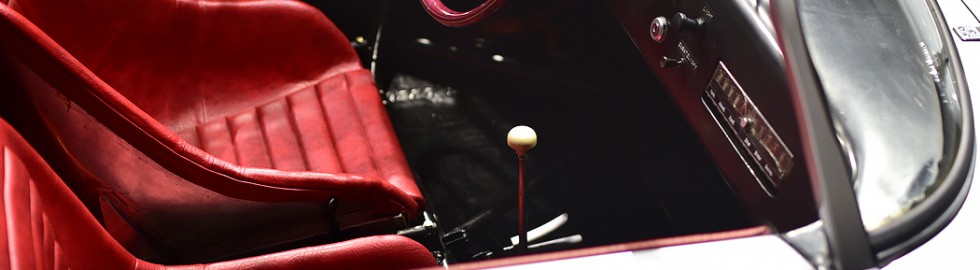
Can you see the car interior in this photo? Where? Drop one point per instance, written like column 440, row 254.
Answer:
column 211, row 131
column 270, row 134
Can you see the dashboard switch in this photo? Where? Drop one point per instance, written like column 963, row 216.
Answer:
column 667, row 62
column 681, row 22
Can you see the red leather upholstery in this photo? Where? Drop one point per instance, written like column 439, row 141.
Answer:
column 44, row 226
column 207, row 129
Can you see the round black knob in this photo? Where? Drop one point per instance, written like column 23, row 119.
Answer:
column 666, row 62
column 680, row 22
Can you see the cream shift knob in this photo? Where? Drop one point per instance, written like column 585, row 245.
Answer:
column 522, row 139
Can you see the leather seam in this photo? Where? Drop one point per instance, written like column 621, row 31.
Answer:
column 260, row 119
column 231, row 142
column 294, row 126
column 360, row 119
column 4, row 161
column 326, row 121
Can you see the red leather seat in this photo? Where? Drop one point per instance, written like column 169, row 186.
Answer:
column 205, row 129
column 45, row 226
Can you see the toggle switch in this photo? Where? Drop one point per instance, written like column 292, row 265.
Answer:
column 667, row 62
column 680, row 22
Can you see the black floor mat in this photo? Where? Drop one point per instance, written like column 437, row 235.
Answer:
column 453, row 144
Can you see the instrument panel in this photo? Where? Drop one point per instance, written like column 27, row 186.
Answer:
column 770, row 159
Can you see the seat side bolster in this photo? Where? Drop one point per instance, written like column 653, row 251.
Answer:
column 82, row 245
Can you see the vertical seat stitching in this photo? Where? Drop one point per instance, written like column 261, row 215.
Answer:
column 231, row 141
column 34, row 203
column 46, row 226
column 260, row 118
column 200, row 136
column 7, row 168
column 294, row 126
column 5, row 160
column 364, row 127
column 329, row 127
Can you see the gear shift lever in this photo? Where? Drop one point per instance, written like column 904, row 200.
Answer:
column 521, row 139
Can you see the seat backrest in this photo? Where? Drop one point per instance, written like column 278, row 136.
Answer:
column 187, row 61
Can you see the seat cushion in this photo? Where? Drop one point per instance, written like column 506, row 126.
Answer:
column 337, row 125
column 44, row 226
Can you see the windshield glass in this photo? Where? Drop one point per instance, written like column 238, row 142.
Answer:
column 883, row 66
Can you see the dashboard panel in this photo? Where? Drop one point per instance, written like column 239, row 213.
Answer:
column 721, row 65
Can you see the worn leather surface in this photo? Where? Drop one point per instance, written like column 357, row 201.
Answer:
column 211, row 127
column 44, row 226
